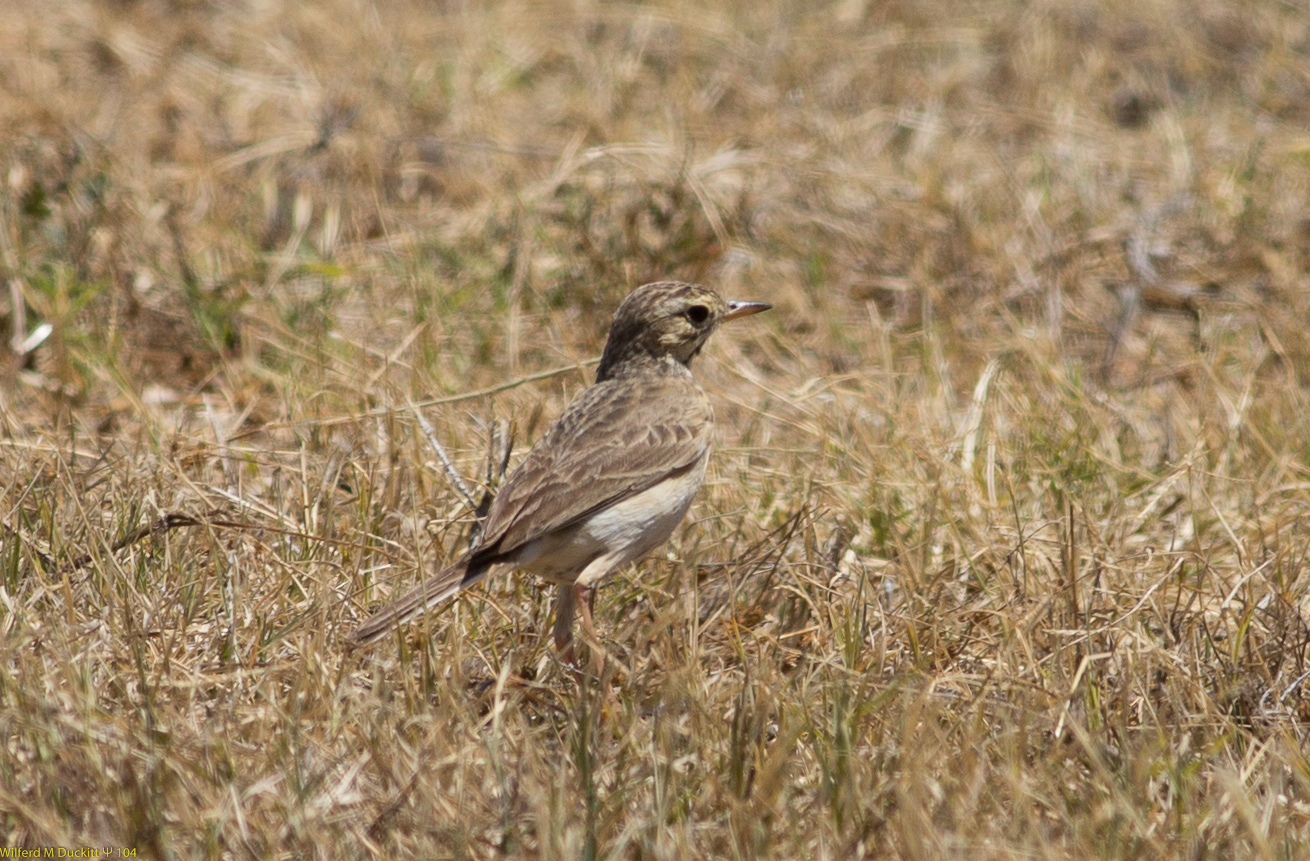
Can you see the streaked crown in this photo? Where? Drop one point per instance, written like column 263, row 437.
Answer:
column 666, row 320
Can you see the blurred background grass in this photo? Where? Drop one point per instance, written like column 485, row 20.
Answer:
column 1003, row 550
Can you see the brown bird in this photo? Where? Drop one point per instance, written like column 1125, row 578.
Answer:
column 613, row 477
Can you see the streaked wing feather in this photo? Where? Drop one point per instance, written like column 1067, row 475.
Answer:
column 613, row 442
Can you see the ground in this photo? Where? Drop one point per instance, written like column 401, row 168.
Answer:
column 1003, row 551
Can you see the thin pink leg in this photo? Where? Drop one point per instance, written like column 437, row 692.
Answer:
column 570, row 600
column 585, row 599
column 565, row 604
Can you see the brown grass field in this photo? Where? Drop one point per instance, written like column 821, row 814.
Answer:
column 1004, row 550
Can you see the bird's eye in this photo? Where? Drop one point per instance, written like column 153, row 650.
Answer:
column 698, row 314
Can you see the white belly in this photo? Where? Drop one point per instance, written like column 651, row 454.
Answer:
column 614, row 536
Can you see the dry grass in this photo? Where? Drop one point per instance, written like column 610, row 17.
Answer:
column 1004, row 552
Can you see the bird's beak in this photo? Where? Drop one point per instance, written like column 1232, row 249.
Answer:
column 745, row 309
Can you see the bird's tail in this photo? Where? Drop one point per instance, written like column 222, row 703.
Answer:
column 432, row 591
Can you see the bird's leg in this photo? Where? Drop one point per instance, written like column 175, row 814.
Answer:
column 571, row 599
column 585, row 599
column 574, row 598
column 565, row 603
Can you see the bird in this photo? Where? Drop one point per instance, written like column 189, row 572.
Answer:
column 611, row 479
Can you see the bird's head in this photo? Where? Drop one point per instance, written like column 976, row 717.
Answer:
column 669, row 319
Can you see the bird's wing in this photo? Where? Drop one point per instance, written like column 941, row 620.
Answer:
column 616, row 440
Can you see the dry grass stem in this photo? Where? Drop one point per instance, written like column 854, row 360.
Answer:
column 1004, row 548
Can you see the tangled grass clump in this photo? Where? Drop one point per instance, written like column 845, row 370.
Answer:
column 1003, row 551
